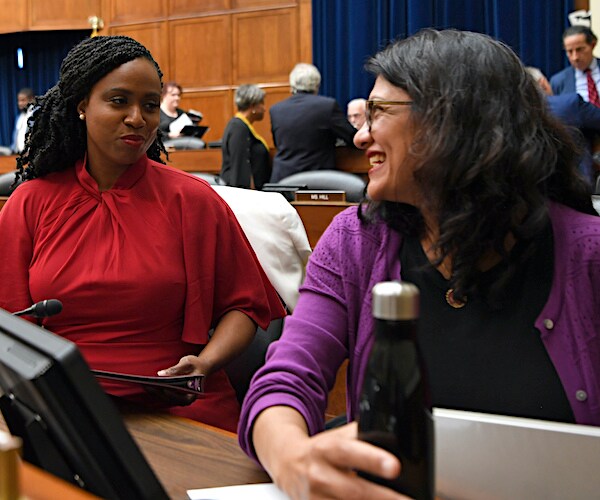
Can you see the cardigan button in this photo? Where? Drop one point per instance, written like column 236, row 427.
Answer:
column 549, row 324
column 581, row 395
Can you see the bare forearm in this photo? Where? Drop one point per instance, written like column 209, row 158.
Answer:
column 289, row 426
column 231, row 337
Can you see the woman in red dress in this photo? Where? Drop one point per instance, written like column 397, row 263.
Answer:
column 146, row 259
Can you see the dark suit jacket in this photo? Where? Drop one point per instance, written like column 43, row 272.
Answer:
column 574, row 112
column 305, row 127
column 563, row 82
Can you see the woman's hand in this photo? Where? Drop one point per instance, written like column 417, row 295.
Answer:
column 321, row 466
column 188, row 365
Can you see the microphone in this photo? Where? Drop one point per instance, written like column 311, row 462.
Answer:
column 42, row 309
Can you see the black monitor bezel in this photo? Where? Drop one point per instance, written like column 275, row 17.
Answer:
column 68, row 425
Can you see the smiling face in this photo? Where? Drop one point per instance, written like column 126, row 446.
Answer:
column 387, row 144
column 122, row 115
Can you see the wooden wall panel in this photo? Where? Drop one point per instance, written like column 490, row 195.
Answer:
column 62, row 14
column 209, row 47
column 248, row 4
column 183, row 8
column 126, row 11
column 265, row 45
column 201, row 51
column 305, row 31
column 153, row 36
column 215, row 105
column 13, row 16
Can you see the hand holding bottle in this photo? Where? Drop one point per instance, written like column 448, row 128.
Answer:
column 324, row 465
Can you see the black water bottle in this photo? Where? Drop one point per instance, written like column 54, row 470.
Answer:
column 395, row 406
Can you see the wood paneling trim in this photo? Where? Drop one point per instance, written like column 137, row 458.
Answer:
column 126, row 11
column 14, row 16
column 265, row 45
column 200, row 51
column 63, row 14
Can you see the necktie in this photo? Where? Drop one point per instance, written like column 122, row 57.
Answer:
column 592, row 90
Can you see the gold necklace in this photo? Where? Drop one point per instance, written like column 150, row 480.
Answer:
column 451, row 300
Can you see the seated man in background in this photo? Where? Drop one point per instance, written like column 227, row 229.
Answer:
column 305, row 126
column 576, row 113
column 356, row 112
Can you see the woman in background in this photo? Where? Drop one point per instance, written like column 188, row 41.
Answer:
column 169, row 108
column 475, row 197
column 246, row 161
column 146, row 259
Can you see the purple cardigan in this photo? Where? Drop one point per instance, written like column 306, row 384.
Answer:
column 332, row 320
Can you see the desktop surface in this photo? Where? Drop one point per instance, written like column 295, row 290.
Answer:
column 183, row 454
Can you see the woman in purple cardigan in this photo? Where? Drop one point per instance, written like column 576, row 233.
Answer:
column 474, row 196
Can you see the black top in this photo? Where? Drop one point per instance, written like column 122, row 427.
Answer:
column 489, row 357
column 244, row 157
column 166, row 120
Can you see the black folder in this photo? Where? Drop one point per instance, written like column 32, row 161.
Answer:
column 194, row 131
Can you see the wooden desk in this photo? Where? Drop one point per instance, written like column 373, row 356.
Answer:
column 8, row 164
column 209, row 161
column 184, row 455
column 201, row 160
column 317, row 215
column 3, row 200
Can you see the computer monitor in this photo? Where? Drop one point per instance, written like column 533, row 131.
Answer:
column 68, row 425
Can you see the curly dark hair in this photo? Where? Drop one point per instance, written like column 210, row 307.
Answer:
column 56, row 138
column 487, row 153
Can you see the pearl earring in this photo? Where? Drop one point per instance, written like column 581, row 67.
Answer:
column 82, row 116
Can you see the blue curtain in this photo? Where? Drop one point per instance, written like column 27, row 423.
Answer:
column 43, row 52
column 347, row 32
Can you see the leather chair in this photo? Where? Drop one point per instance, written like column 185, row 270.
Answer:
column 241, row 370
column 212, row 179
column 352, row 184
column 184, row 143
column 6, row 181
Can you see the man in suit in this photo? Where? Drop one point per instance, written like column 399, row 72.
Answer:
column 583, row 74
column 579, row 115
column 305, row 126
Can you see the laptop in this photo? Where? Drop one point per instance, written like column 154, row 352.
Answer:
column 492, row 457
column 481, row 456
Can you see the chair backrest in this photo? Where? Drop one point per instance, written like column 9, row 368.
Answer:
column 184, row 143
column 212, row 179
column 596, row 196
column 6, row 181
column 352, row 184
column 241, row 370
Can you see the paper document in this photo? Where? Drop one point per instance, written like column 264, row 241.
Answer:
column 181, row 121
column 246, row 491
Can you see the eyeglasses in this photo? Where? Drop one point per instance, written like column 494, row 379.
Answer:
column 374, row 107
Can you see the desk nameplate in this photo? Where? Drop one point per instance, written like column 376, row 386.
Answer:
column 320, row 195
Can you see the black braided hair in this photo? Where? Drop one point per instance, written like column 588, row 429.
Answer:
column 56, row 137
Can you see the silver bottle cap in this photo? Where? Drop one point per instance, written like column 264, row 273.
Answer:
column 395, row 300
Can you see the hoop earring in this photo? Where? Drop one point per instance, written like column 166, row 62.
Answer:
column 82, row 116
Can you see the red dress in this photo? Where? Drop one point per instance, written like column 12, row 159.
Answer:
column 144, row 271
